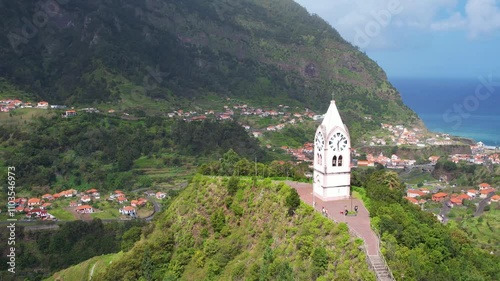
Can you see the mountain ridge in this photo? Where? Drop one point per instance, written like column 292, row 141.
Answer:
column 108, row 51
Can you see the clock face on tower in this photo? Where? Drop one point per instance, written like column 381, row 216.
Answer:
column 320, row 141
column 338, row 142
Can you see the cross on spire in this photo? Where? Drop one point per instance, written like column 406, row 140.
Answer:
column 333, row 95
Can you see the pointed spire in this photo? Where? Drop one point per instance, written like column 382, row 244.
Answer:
column 332, row 117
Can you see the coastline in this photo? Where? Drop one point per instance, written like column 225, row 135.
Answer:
column 448, row 106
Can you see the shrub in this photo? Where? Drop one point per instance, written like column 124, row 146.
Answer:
column 233, row 184
column 292, row 201
column 320, row 258
column 218, row 220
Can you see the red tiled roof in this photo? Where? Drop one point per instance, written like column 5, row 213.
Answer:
column 128, row 208
column 463, row 196
column 413, row 191
column 412, row 200
column 487, row 191
column 83, row 207
column 34, row 201
column 440, row 194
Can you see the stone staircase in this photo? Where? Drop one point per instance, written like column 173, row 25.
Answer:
column 379, row 266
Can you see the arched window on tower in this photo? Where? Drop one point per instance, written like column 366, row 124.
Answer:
column 340, row 160
column 334, row 161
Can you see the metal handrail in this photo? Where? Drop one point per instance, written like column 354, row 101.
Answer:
column 380, row 253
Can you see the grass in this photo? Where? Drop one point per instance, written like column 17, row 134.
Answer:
column 360, row 193
column 23, row 116
column 144, row 212
column 416, row 177
column 10, row 91
column 484, row 229
column 107, row 214
column 61, row 214
column 82, row 271
column 433, row 207
column 147, row 162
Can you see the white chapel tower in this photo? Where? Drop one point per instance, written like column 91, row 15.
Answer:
column 332, row 158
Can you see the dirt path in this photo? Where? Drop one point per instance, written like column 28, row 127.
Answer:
column 92, row 271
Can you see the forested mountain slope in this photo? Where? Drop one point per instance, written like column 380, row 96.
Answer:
column 178, row 52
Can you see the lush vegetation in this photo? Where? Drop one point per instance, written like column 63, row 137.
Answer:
column 231, row 164
column 483, row 230
column 467, row 174
column 239, row 229
column 92, row 150
column 40, row 253
column 416, row 245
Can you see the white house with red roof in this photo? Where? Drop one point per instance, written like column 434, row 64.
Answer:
column 128, row 210
column 37, row 213
column 69, row 113
column 43, row 104
column 484, row 185
column 84, row 209
column 414, row 193
column 48, row 197
column 160, row 195
column 472, row 192
column 412, row 200
column 485, row 192
column 45, row 206
column 121, row 199
column 20, row 202
column 33, row 202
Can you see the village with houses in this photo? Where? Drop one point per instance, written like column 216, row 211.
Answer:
column 71, row 204
column 439, row 199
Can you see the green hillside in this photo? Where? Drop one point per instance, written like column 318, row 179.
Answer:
column 209, row 234
column 85, row 270
column 161, row 55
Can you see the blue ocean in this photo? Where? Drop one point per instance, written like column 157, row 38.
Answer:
column 462, row 107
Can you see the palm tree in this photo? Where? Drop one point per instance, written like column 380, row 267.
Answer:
column 391, row 180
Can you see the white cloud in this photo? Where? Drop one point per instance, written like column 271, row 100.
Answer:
column 481, row 17
column 379, row 22
column 370, row 25
column 456, row 21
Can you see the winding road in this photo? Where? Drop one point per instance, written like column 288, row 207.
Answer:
column 483, row 204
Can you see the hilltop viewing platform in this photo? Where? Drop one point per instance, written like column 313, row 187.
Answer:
column 359, row 224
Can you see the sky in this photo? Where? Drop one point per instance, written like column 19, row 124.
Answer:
column 420, row 38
